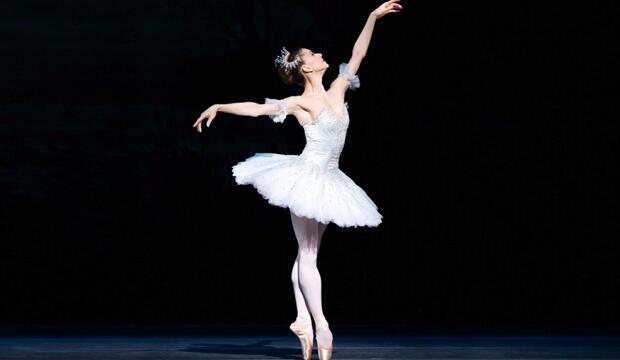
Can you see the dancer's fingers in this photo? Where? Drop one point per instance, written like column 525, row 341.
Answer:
column 199, row 120
column 211, row 118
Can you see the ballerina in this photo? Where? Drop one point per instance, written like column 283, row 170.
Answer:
column 310, row 184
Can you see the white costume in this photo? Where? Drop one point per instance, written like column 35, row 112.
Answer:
column 311, row 184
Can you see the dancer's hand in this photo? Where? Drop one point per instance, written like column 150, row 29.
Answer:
column 386, row 8
column 209, row 114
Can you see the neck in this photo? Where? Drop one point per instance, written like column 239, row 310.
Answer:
column 314, row 85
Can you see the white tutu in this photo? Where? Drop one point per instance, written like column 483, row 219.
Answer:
column 311, row 184
column 307, row 190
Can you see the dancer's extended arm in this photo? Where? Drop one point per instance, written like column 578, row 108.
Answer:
column 363, row 40
column 247, row 108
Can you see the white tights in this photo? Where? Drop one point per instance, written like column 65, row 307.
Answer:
column 306, row 278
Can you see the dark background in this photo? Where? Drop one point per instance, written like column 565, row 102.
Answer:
column 485, row 133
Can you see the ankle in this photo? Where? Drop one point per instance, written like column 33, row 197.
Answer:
column 304, row 319
column 324, row 335
column 322, row 324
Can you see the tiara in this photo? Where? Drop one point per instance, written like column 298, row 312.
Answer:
column 282, row 60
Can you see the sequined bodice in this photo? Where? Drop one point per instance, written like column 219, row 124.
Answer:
column 325, row 138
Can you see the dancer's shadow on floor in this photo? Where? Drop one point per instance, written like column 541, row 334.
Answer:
column 252, row 350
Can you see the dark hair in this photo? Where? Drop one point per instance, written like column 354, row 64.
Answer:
column 292, row 76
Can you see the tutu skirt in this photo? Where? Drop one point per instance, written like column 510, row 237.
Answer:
column 290, row 181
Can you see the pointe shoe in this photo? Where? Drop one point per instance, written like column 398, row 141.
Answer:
column 325, row 353
column 305, row 340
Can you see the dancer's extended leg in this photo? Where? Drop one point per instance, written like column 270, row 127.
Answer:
column 309, row 233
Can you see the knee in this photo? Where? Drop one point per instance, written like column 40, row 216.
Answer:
column 295, row 275
column 307, row 256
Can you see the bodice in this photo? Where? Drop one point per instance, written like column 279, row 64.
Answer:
column 325, row 138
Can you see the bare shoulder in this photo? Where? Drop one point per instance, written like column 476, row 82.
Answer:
column 339, row 86
column 301, row 108
column 297, row 103
column 336, row 97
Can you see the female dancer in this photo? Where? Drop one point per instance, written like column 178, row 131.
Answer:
column 311, row 185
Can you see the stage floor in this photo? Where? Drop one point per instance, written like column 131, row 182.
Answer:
column 277, row 343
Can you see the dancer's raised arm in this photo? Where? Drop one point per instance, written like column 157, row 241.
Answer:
column 363, row 40
column 248, row 108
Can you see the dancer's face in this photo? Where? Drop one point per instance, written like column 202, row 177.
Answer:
column 312, row 59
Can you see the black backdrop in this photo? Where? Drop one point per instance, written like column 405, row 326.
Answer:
column 483, row 131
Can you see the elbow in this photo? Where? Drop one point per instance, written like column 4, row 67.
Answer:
column 257, row 110
column 359, row 54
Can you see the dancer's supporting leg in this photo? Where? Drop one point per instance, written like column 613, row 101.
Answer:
column 309, row 233
column 303, row 314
